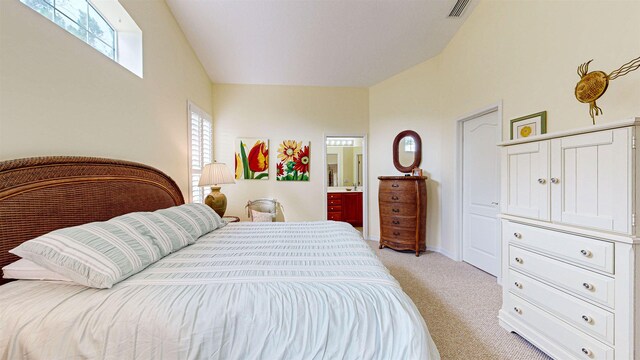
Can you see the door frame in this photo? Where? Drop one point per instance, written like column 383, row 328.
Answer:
column 365, row 177
column 458, row 183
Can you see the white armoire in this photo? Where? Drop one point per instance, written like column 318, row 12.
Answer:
column 570, row 256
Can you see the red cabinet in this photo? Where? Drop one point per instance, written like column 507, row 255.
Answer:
column 345, row 206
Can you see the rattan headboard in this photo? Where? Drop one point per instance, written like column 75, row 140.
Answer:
column 39, row 195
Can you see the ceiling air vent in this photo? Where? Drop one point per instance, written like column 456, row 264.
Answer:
column 458, row 8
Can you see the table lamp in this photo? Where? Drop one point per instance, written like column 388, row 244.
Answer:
column 213, row 175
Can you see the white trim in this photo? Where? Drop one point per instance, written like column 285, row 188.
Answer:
column 457, row 193
column 196, row 108
column 365, row 178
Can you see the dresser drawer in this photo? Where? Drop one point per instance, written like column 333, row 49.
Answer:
column 591, row 319
column 592, row 253
column 403, row 222
column 398, row 197
column 399, row 234
column 397, row 185
column 335, row 216
column 334, row 202
column 334, row 208
column 585, row 283
column 572, row 340
column 397, row 209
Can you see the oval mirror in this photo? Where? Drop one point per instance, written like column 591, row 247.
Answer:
column 407, row 151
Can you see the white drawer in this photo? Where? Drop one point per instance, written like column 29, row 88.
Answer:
column 574, row 341
column 585, row 283
column 589, row 318
column 595, row 254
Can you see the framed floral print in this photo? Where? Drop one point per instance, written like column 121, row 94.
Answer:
column 293, row 161
column 252, row 158
column 530, row 125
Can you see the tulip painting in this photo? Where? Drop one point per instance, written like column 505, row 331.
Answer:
column 252, row 159
column 293, row 161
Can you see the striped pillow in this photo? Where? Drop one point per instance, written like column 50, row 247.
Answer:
column 196, row 219
column 166, row 234
column 98, row 254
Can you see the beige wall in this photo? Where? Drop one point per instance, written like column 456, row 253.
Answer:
column 524, row 53
column 281, row 113
column 59, row 96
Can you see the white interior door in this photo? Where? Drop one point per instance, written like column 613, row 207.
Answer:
column 480, row 193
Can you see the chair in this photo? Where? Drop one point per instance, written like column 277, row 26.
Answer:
column 264, row 206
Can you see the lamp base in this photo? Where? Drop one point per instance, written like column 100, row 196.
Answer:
column 217, row 201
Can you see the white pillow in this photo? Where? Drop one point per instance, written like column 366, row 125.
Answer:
column 259, row 216
column 26, row 270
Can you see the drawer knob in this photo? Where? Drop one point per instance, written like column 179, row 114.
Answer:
column 542, row 181
column 519, row 260
column 587, row 286
column 395, row 210
column 396, row 233
column 395, row 185
column 585, row 253
column 555, row 180
column 517, row 235
column 394, row 198
column 395, row 222
column 518, row 285
column 587, row 319
column 517, row 309
column 587, row 352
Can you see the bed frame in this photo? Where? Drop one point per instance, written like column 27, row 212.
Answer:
column 39, row 195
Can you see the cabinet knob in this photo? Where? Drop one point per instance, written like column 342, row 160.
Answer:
column 587, row 319
column 517, row 235
column 587, row 286
column 585, row 253
column 587, row 352
column 518, row 285
column 395, row 185
column 395, row 210
column 555, row 180
column 517, row 309
column 542, row 181
column 519, row 260
column 394, row 198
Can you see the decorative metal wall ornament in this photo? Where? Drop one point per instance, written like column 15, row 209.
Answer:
column 592, row 85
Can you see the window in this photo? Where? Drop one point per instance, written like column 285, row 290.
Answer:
column 81, row 19
column 409, row 144
column 200, row 150
column 103, row 24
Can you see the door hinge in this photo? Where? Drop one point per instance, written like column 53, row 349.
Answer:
column 633, row 142
column 633, row 220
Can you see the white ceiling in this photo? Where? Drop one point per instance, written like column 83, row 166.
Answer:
column 314, row 42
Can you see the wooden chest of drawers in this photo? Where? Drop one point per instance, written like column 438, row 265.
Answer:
column 403, row 212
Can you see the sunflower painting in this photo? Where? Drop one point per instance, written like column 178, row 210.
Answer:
column 293, row 161
column 252, row 159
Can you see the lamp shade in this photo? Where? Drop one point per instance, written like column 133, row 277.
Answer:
column 215, row 174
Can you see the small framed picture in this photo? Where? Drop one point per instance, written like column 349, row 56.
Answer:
column 416, row 172
column 530, row 125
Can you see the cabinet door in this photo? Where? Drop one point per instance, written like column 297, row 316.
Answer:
column 352, row 208
column 591, row 179
column 525, row 177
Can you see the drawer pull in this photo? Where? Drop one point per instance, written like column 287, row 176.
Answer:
column 395, row 185
column 395, row 210
column 394, row 198
column 587, row 352
column 519, row 260
column 542, row 181
column 587, row 319
column 396, row 233
column 585, row 253
column 518, row 285
column 555, row 180
column 517, row 235
column 587, row 286
column 517, row 309
column 395, row 222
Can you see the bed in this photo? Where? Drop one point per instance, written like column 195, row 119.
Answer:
column 311, row 290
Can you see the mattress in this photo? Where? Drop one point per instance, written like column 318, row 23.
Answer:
column 311, row 290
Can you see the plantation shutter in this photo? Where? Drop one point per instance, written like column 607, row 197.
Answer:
column 200, row 150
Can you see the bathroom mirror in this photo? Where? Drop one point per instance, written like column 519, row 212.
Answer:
column 407, row 151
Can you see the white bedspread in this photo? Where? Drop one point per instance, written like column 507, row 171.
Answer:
column 246, row 291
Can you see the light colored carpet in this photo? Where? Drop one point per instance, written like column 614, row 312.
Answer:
column 460, row 305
